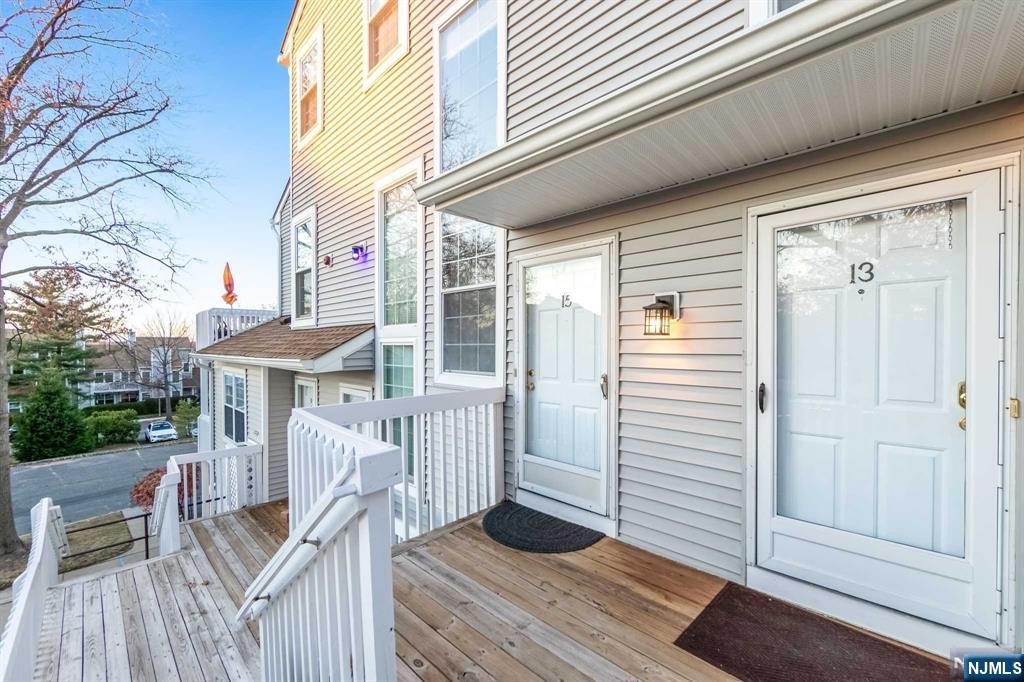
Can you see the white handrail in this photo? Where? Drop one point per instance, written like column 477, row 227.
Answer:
column 325, row 599
column 20, row 643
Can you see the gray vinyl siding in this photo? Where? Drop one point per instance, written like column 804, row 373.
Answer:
column 565, row 55
column 281, row 397
column 367, row 133
column 285, row 248
column 681, row 433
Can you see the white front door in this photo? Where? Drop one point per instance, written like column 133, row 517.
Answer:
column 564, row 303
column 878, row 430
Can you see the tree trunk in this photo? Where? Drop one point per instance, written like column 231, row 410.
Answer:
column 10, row 543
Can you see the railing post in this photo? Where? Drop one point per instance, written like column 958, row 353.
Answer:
column 377, row 596
column 497, row 458
column 168, row 524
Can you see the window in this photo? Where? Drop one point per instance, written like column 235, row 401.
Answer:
column 400, row 237
column 310, row 86
column 354, row 394
column 303, row 249
column 104, row 399
column 387, row 33
column 399, row 382
column 104, row 377
column 468, row 95
column 305, row 393
column 234, row 407
column 468, row 290
column 762, row 10
column 13, row 406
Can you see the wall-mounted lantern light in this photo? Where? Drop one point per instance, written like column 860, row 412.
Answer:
column 659, row 313
column 359, row 252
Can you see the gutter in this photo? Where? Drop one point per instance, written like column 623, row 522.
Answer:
column 295, row 365
column 767, row 48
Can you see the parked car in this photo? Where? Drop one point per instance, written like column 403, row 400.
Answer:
column 158, row 431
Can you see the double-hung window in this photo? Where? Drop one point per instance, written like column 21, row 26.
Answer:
column 469, row 78
column 303, row 248
column 470, row 254
column 234, row 407
column 386, row 34
column 310, row 105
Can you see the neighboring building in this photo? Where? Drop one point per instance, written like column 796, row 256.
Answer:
column 832, row 172
column 140, row 368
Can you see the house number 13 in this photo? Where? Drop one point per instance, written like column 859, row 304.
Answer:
column 863, row 272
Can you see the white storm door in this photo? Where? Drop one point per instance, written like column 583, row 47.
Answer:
column 565, row 311
column 874, row 315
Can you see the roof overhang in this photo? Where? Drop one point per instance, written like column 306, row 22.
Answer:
column 335, row 360
column 818, row 75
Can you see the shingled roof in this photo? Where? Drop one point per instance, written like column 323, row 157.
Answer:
column 277, row 340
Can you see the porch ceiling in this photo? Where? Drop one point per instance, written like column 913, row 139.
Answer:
column 840, row 82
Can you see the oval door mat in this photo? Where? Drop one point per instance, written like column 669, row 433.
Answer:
column 755, row 637
column 519, row 527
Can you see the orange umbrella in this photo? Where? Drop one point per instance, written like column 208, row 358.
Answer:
column 229, row 286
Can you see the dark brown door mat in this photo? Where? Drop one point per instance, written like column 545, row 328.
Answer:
column 757, row 638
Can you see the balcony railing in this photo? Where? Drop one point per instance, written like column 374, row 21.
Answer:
column 362, row 475
column 216, row 324
column 453, row 463
column 21, row 636
column 202, row 484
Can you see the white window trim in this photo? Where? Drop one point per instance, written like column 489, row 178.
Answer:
column 760, row 11
column 460, row 379
column 372, row 74
column 231, row 442
column 417, row 362
column 309, row 215
column 410, row 171
column 364, row 392
column 308, row 383
column 315, row 39
column 501, row 134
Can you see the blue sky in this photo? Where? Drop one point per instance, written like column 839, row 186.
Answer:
column 233, row 119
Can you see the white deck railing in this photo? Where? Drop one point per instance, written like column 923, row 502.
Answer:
column 21, row 636
column 325, row 598
column 453, row 463
column 217, row 324
column 202, row 484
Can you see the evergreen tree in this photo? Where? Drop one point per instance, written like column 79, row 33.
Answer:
column 70, row 358
column 51, row 424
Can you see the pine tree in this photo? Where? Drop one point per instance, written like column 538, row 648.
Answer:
column 51, row 424
column 70, row 358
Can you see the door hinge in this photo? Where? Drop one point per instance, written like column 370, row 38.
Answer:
column 1014, row 408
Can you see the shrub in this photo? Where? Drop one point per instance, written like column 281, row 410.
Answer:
column 118, row 426
column 184, row 417
column 142, row 408
column 144, row 492
column 51, row 424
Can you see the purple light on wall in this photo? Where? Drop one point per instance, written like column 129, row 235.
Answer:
column 359, row 253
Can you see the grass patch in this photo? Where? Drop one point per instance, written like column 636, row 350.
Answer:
column 11, row 567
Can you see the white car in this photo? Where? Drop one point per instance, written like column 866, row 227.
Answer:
column 158, row 431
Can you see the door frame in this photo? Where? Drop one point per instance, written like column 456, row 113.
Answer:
column 901, row 626
column 607, row 523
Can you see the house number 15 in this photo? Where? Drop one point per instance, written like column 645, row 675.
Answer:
column 863, row 272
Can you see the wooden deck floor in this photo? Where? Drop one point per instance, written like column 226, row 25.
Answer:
column 465, row 608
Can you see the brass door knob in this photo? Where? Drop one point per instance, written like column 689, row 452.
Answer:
column 962, row 423
column 961, row 394
column 530, row 386
column 529, row 372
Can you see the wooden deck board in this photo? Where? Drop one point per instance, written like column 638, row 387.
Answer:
column 465, row 607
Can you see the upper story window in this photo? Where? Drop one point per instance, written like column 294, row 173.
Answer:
column 310, row 86
column 760, row 11
column 400, row 239
column 234, row 407
column 469, row 52
column 387, row 33
column 303, row 246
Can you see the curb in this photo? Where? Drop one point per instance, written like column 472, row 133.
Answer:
column 140, row 446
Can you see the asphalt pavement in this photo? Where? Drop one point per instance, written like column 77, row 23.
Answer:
column 86, row 486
